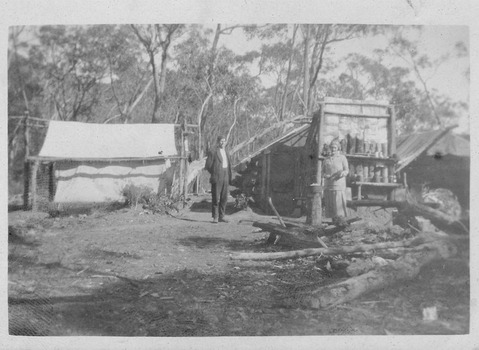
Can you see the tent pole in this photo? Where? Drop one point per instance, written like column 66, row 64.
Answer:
column 263, row 180
column 182, row 166
column 316, row 188
column 51, row 181
column 26, row 187
column 392, row 131
column 268, row 177
column 26, row 184
column 34, row 186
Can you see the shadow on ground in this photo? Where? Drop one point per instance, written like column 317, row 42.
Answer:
column 246, row 300
column 205, row 207
column 184, row 303
column 202, row 242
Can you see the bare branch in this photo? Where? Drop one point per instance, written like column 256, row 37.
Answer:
column 234, row 120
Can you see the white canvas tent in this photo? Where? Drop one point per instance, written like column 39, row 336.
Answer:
column 94, row 162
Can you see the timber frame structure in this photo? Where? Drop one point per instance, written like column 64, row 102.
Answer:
column 289, row 169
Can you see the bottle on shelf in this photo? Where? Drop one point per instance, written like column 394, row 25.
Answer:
column 359, row 145
column 343, row 144
column 366, row 173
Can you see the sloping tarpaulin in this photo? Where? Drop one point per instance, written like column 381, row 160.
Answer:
column 409, row 147
column 84, row 156
column 74, row 140
column 296, row 137
column 451, row 144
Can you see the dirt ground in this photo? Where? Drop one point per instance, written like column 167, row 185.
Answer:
column 129, row 272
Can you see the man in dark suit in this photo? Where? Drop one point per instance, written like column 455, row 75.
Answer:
column 218, row 165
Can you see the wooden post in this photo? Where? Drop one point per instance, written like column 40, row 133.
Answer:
column 392, row 131
column 268, row 176
column 297, row 173
column 264, row 171
column 182, row 167
column 26, row 164
column 36, row 164
column 51, row 181
column 185, row 185
column 200, row 156
column 316, row 207
column 26, row 183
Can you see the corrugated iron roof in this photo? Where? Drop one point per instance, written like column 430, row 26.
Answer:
column 451, row 144
column 75, row 140
column 409, row 147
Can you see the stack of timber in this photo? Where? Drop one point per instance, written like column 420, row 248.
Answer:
column 410, row 256
column 411, row 207
column 405, row 268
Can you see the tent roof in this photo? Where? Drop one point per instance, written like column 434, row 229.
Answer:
column 409, row 147
column 75, row 140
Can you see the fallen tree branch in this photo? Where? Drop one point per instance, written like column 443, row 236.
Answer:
column 334, row 250
column 405, row 268
column 298, row 235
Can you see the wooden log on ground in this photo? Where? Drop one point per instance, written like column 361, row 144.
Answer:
column 405, row 268
column 300, row 236
column 289, row 236
column 441, row 220
column 384, row 203
column 428, row 213
column 334, row 250
column 321, row 231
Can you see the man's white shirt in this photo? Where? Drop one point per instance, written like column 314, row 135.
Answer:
column 225, row 159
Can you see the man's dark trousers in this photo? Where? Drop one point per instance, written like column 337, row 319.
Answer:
column 219, row 194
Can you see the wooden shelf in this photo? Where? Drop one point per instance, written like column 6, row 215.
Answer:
column 378, row 184
column 368, row 158
column 389, row 185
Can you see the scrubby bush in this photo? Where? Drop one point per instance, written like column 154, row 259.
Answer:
column 135, row 195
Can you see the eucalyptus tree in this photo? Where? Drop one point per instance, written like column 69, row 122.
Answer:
column 72, row 65
column 438, row 108
column 305, row 50
column 157, row 39
column 371, row 78
column 194, row 83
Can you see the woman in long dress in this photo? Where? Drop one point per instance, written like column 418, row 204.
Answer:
column 335, row 170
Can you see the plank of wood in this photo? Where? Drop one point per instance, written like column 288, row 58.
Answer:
column 374, row 203
column 378, row 184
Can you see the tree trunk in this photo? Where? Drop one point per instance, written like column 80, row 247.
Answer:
column 427, row 212
column 211, row 77
column 156, row 85
column 306, row 78
column 403, row 269
column 288, row 73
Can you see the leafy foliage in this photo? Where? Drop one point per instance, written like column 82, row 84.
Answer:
column 172, row 72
